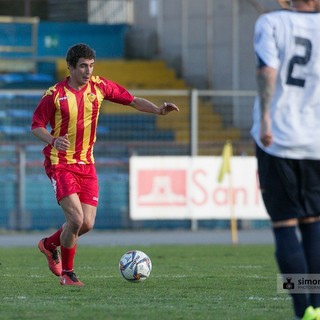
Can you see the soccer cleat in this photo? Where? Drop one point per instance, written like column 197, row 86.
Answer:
column 54, row 261
column 317, row 311
column 70, row 279
column 310, row 314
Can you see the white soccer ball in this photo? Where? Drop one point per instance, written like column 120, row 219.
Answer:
column 135, row 266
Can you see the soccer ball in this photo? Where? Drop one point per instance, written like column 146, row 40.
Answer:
column 135, row 266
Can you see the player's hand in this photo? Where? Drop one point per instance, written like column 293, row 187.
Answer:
column 168, row 107
column 266, row 136
column 62, row 143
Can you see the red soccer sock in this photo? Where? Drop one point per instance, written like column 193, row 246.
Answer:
column 52, row 242
column 67, row 257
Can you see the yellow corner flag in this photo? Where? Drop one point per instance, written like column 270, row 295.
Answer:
column 226, row 168
column 226, row 158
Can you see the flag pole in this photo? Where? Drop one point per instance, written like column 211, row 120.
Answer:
column 226, row 168
column 233, row 219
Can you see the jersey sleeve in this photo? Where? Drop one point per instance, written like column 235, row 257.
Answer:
column 115, row 92
column 43, row 112
column 265, row 43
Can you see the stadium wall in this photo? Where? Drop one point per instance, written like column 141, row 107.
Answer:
column 55, row 37
column 208, row 43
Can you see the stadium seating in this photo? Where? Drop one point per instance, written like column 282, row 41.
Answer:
column 25, row 80
column 15, row 116
column 132, row 127
column 133, row 74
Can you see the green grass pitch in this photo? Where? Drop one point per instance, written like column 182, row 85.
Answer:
column 187, row 282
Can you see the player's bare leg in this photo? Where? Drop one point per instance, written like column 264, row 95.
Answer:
column 74, row 216
column 80, row 219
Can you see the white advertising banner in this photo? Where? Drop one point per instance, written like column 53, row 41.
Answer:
column 185, row 187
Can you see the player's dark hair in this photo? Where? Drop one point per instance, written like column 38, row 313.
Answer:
column 78, row 51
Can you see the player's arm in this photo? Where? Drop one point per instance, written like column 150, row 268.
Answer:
column 266, row 78
column 61, row 143
column 43, row 135
column 41, row 117
column 114, row 92
column 145, row 105
column 266, row 50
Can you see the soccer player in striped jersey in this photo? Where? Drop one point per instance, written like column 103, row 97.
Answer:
column 286, row 130
column 71, row 108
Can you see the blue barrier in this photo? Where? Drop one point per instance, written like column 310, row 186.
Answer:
column 107, row 40
column 54, row 38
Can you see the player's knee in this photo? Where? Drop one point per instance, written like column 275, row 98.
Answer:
column 75, row 223
column 86, row 227
column 309, row 220
column 285, row 223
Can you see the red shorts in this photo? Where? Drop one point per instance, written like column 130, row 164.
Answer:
column 68, row 179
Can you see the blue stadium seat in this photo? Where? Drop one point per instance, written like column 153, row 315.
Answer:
column 132, row 127
column 13, row 130
column 128, row 121
column 16, row 114
column 20, row 114
column 25, row 81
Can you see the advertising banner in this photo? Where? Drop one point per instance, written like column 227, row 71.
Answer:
column 185, row 187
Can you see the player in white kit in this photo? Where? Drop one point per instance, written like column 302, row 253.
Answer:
column 286, row 130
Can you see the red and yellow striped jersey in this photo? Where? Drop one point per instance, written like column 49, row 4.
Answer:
column 75, row 113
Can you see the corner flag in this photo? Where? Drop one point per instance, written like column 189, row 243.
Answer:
column 226, row 168
column 226, row 158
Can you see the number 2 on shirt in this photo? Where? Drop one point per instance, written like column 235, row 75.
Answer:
column 299, row 60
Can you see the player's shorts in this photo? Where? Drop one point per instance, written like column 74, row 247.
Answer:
column 68, row 179
column 290, row 188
